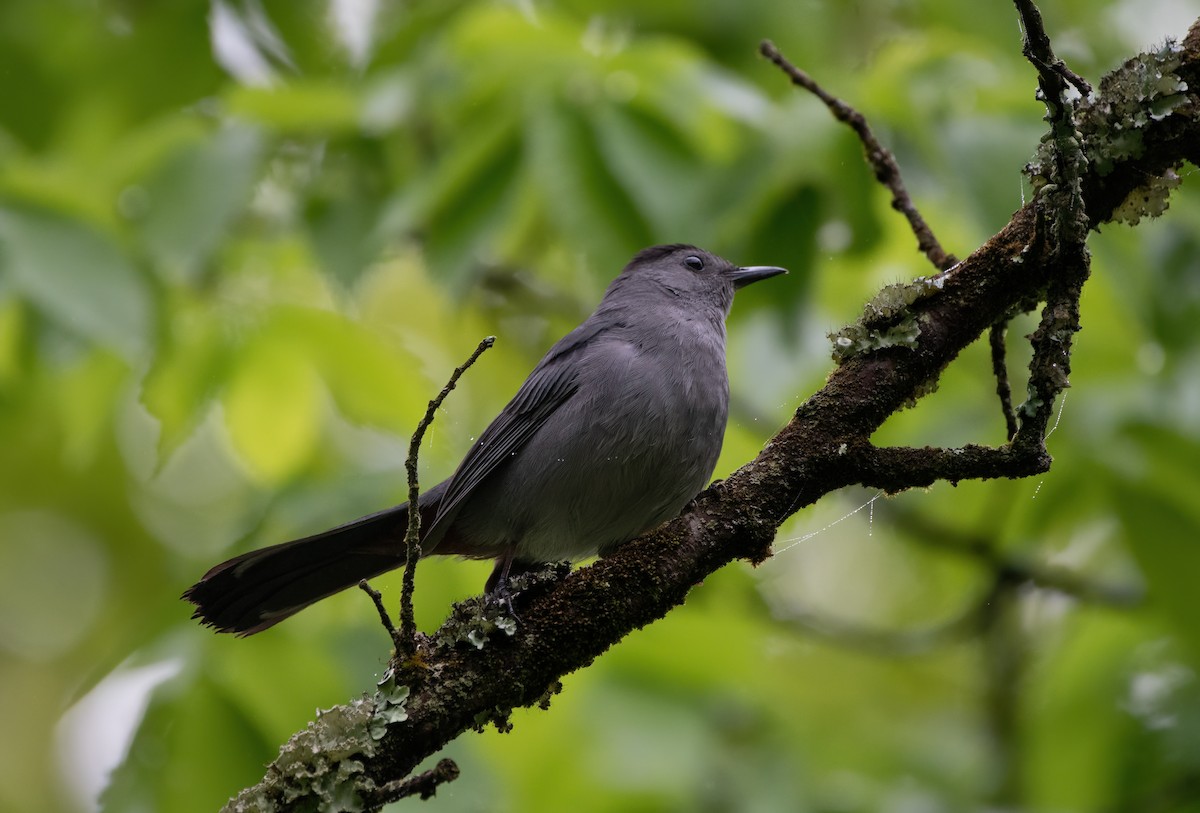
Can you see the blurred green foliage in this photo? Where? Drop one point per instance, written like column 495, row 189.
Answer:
column 242, row 243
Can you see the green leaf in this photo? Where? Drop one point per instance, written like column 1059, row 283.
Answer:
column 787, row 230
column 371, row 381
column 13, row 333
column 461, row 207
column 656, row 164
column 300, row 106
column 1163, row 534
column 194, row 749
column 344, row 226
column 192, row 200
column 1072, row 746
column 191, row 365
column 580, row 193
column 273, row 407
column 77, row 278
column 86, row 416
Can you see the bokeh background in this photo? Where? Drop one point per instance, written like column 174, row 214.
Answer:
column 243, row 243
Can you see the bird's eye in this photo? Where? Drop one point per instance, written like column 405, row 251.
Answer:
column 694, row 263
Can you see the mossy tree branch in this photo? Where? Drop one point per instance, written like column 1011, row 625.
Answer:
column 450, row 687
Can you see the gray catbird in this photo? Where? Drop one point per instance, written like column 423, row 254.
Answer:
column 612, row 433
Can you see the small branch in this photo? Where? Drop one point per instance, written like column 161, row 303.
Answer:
column 884, row 642
column 1044, row 577
column 1063, row 223
column 1000, row 370
column 1037, row 50
column 1007, row 575
column 1050, row 367
column 424, row 785
column 377, row 598
column 1006, row 657
column 1168, row 797
column 887, row 172
column 412, row 537
column 899, row 468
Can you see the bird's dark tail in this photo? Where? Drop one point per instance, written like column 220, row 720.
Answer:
column 254, row 591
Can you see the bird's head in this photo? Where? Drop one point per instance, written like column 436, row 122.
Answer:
column 689, row 273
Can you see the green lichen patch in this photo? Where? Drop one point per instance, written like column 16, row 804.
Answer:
column 477, row 620
column 1111, row 125
column 474, row 621
column 887, row 320
column 323, row 764
column 390, row 706
column 317, row 764
column 1148, row 200
column 1143, row 90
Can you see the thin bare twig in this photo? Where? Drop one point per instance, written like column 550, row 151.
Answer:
column 1037, row 50
column 412, row 537
column 881, row 641
column 985, row 550
column 1006, row 659
column 887, row 172
column 377, row 598
column 1000, row 370
column 1171, row 796
column 1008, row 574
column 424, row 785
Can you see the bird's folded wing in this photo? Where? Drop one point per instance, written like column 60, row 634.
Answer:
column 548, row 387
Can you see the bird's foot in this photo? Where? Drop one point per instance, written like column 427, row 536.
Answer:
column 512, row 578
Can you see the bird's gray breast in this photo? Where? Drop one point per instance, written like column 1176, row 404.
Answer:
column 637, row 440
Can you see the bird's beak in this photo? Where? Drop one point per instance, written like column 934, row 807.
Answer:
column 753, row 273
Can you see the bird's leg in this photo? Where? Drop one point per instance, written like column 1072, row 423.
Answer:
column 508, row 568
column 498, row 581
column 498, row 586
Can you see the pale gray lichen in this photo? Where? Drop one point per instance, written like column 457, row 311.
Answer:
column 391, row 705
column 853, row 340
column 484, row 625
column 1034, row 401
column 1031, row 406
column 473, row 621
column 324, row 763
column 887, row 320
column 317, row 764
column 1148, row 200
column 1111, row 126
column 1143, row 90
